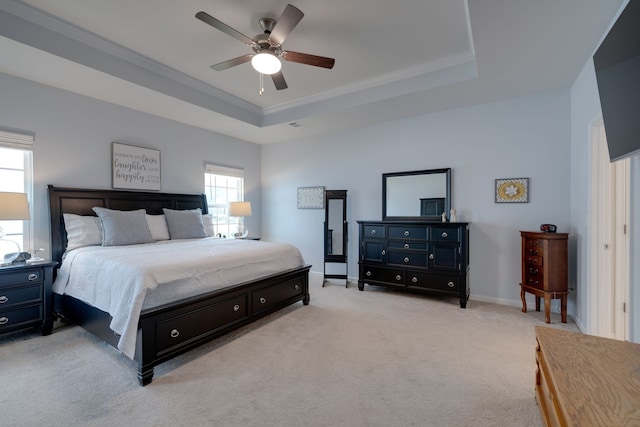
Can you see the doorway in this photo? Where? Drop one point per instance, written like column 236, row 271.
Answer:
column 609, row 240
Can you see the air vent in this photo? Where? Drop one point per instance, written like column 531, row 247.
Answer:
column 297, row 125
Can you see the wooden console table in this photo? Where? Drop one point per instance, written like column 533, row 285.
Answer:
column 583, row 380
column 544, row 270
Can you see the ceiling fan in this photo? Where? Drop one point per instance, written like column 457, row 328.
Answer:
column 267, row 47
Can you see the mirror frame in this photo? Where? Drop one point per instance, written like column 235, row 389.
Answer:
column 447, row 201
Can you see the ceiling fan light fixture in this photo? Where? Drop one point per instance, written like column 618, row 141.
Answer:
column 266, row 63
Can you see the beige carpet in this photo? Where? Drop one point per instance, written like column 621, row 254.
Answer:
column 350, row 358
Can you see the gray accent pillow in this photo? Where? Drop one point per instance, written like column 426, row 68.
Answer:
column 120, row 228
column 185, row 224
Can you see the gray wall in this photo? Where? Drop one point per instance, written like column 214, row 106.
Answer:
column 73, row 145
column 523, row 137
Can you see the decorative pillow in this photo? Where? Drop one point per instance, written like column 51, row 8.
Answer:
column 82, row 231
column 207, row 220
column 121, row 228
column 185, row 224
column 158, row 227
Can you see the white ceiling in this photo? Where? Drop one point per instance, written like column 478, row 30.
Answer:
column 393, row 59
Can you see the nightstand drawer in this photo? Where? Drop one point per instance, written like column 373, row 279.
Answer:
column 14, row 319
column 11, row 296
column 33, row 275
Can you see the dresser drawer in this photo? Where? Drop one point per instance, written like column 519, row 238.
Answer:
column 533, row 261
column 16, row 318
column 11, row 296
column 270, row 296
column 407, row 232
column 204, row 321
column 408, row 245
column 34, row 275
column 445, row 234
column 415, row 259
column 438, row 282
column 373, row 232
column 378, row 274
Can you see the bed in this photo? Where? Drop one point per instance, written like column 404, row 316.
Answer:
column 168, row 324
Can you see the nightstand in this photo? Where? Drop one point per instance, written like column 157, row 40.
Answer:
column 26, row 296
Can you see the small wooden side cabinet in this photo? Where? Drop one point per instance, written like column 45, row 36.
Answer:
column 583, row 380
column 544, row 270
column 26, row 296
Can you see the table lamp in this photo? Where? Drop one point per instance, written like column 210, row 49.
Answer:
column 13, row 206
column 240, row 209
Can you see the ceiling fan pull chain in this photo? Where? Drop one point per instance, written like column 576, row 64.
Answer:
column 261, row 91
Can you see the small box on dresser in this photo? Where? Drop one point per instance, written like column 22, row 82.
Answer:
column 26, row 296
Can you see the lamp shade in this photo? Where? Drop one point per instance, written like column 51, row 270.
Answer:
column 266, row 63
column 14, row 206
column 239, row 208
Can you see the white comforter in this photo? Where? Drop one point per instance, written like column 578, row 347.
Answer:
column 122, row 280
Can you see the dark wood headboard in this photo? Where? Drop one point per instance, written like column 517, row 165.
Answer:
column 80, row 201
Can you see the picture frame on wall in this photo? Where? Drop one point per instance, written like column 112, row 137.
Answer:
column 512, row 190
column 135, row 168
column 310, row 197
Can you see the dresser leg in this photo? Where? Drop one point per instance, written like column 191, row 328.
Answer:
column 563, row 308
column 524, row 300
column 547, row 308
column 360, row 286
column 537, row 303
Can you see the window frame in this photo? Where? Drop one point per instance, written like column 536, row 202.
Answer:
column 219, row 192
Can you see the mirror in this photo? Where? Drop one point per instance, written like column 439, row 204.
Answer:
column 335, row 220
column 335, row 236
column 416, row 195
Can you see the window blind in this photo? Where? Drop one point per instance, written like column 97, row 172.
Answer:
column 16, row 140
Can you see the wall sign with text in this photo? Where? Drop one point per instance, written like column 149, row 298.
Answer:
column 135, row 167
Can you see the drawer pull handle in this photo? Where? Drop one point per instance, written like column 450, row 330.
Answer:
column 236, row 307
column 398, row 277
column 430, row 256
column 532, row 252
column 3, row 299
column 296, row 287
column 174, row 333
column 373, row 231
column 384, row 252
column 533, row 270
column 406, row 246
column 414, row 279
column 444, row 234
column 4, row 320
column 32, row 277
column 450, row 284
column 406, row 233
column 406, row 259
column 368, row 273
column 263, row 300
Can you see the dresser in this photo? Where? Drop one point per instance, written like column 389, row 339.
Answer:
column 583, row 380
column 544, row 270
column 425, row 257
column 26, row 297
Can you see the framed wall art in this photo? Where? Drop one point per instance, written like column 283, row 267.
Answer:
column 512, row 190
column 310, row 197
column 134, row 167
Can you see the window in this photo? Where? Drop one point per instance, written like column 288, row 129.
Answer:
column 16, row 176
column 223, row 185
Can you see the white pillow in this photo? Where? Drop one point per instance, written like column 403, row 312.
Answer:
column 82, row 231
column 207, row 220
column 158, row 227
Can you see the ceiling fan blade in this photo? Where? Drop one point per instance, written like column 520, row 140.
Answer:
column 278, row 80
column 305, row 58
column 233, row 62
column 286, row 23
column 215, row 23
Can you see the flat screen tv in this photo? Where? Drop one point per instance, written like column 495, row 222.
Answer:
column 617, row 66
